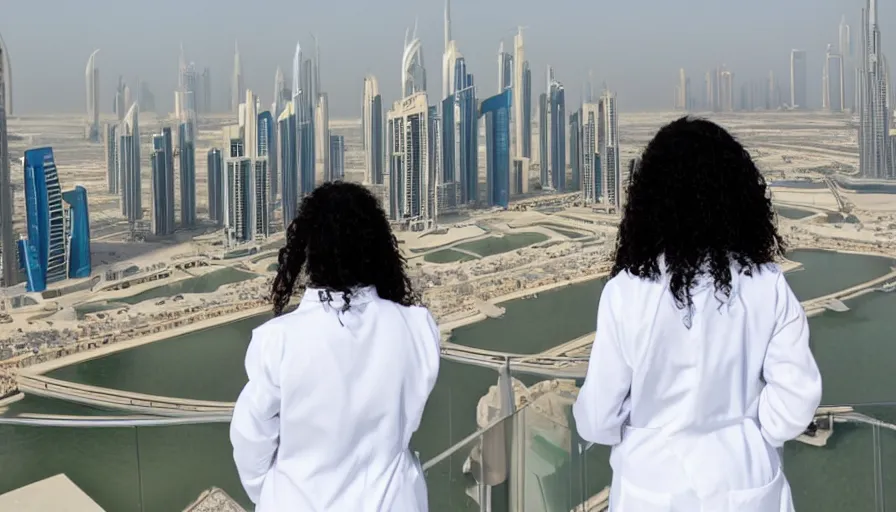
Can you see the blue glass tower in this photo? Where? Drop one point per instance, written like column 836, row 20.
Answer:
column 267, row 147
column 544, row 155
column 162, row 159
column 289, row 165
column 58, row 243
column 558, row 137
column 216, row 186
column 462, row 135
column 45, row 220
column 527, row 111
column 187, row 161
column 497, row 138
column 575, row 149
column 337, row 157
column 78, row 219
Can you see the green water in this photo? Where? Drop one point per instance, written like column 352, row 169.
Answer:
column 793, row 213
column 497, row 245
column 205, row 283
column 447, row 256
column 486, row 247
column 853, row 349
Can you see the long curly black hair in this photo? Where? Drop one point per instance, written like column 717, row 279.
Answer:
column 697, row 198
column 341, row 240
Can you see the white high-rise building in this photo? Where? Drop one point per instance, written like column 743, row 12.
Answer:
column 92, row 87
column 449, row 57
column 130, row 185
column 413, row 71
column 590, row 124
column 9, row 264
column 876, row 154
column 798, row 93
column 237, row 86
column 833, row 93
column 517, row 97
column 372, row 131
column 608, row 142
column 322, row 171
column 411, row 193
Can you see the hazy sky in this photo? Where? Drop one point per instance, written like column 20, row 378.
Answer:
column 636, row 46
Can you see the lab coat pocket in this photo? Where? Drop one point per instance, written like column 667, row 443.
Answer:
column 767, row 498
column 637, row 499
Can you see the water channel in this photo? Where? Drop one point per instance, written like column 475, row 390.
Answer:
column 854, row 350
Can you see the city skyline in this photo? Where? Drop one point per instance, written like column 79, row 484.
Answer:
column 262, row 54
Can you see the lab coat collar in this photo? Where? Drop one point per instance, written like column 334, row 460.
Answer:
column 359, row 295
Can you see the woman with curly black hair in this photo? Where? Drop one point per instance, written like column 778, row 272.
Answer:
column 700, row 368
column 337, row 386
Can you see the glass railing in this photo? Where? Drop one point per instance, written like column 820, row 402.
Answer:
column 477, row 454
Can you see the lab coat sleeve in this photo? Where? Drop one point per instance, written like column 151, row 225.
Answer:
column 603, row 405
column 792, row 392
column 429, row 356
column 255, row 427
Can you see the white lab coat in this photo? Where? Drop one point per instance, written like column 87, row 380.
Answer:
column 697, row 402
column 332, row 401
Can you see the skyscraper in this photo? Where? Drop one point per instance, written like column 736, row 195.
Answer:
column 8, row 262
column 798, row 95
column 575, row 150
column 682, row 91
column 162, row 160
column 505, row 68
column 281, row 94
column 239, row 212
column 58, row 242
column 267, row 148
column 78, row 232
column 413, row 71
column 216, row 186
column 303, row 103
column 246, row 181
column 876, row 158
column 496, row 111
column 726, row 90
column 289, row 170
column 526, row 119
column 129, row 166
column 187, row 94
column 337, row 157
column 844, row 47
column 544, row 132
column 520, row 67
column 407, row 135
column 589, row 119
column 608, row 144
column 6, row 77
column 372, row 131
column 833, row 94
column 237, row 87
column 112, row 165
column 434, row 145
column 187, row 160
column 450, row 55
column 322, row 140
column 119, row 106
column 92, row 86
column 460, row 139
column 205, row 105
column 557, row 136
